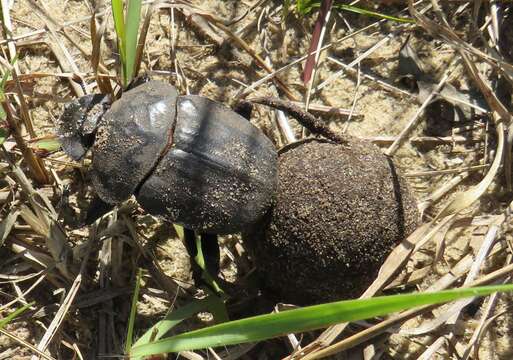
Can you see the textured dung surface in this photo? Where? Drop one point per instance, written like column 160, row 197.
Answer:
column 218, row 176
column 339, row 212
column 133, row 134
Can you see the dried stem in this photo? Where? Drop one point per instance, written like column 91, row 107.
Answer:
column 35, row 164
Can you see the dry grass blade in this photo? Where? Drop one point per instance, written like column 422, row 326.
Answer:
column 24, row 294
column 7, row 224
column 375, row 330
column 27, row 345
column 15, row 71
column 97, row 32
column 500, row 114
column 60, row 51
column 413, row 123
column 484, row 322
column 452, row 38
column 244, row 45
column 441, row 191
column 35, row 164
column 143, row 33
column 312, row 62
column 273, row 74
column 59, row 316
column 463, row 170
column 43, row 219
column 452, row 313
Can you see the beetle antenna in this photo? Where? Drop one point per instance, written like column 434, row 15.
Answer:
column 312, row 123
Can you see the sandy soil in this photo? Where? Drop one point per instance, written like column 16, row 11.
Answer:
column 219, row 74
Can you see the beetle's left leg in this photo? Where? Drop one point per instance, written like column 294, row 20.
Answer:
column 97, row 208
column 244, row 109
column 211, row 253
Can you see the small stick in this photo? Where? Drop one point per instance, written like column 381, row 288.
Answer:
column 35, row 164
column 446, row 171
column 26, row 344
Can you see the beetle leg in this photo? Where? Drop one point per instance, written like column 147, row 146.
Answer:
column 306, row 119
column 97, row 208
column 139, row 80
column 244, row 109
column 211, row 255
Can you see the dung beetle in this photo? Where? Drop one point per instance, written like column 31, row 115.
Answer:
column 187, row 159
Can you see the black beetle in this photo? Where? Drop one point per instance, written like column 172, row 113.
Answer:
column 187, row 159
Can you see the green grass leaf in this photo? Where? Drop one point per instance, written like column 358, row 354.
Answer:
column 175, row 317
column 127, row 29
column 267, row 326
column 133, row 18
column 14, row 314
column 119, row 25
column 304, row 7
column 370, row 13
column 3, row 131
column 133, row 313
column 48, row 145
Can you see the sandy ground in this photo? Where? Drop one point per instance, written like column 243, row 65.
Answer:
column 221, row 73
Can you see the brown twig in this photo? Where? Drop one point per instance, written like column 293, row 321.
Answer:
column 35, row 164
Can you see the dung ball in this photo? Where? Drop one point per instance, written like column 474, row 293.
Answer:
column 339, row 211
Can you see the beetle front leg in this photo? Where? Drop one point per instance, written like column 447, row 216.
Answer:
column 97, row 208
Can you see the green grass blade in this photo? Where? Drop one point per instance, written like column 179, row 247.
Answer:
column 205, row 275
column 179, row 231
column 304, row 7
column 173, row 318
column 263, row 327
column 133, row 19
column 119, row 25
column 47, row 145
column 133, row 313
column 370, row 13
column 14, row 314
column 3, row 132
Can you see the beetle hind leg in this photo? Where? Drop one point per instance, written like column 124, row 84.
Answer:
column 309, row 121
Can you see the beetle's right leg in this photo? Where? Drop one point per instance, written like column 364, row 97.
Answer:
column 97, row 208
column 211, row 253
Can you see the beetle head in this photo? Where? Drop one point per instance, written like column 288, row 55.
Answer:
column 78, row 124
